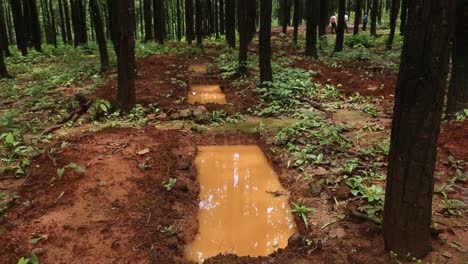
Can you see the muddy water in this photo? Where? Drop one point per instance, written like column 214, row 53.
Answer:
column 203, row 94
column 238, row 212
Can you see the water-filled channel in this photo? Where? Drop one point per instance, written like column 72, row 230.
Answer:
column 238, row 211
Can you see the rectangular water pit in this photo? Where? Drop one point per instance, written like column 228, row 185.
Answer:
column 204, row 94
column 238, row 213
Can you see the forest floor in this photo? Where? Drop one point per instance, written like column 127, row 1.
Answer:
column 93, row 191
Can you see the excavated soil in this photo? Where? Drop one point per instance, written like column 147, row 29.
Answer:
column 164, row 80
column 117, row 211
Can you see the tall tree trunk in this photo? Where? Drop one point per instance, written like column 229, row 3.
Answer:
column 4, row 43
column 416, row 124
column 179, row 21
column 286, row 16
column 53, row 29
column 341, row 26
column 100, row 36
column 357, row 17
column 457, row 98
column 403, row 16
column 393, row 18
column 122, row 25
column 18, row 20
column 198, row 22
column 159, row 25
column 296, row 18
column 189, row 21
column 62, row 22
column 374, row 11
column 323, row 17
column 312, row 8
column 264, row 45
column 221, row 17
column 243, row 28
column 67, row 22
column 148, row 17
column 230, row 10
column 3, row 69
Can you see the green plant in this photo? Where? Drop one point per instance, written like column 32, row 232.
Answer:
column 349, row 167
column 371, row 110
column 169, row 230
column 32, row 259
column 362, row 39
column 302, row 211
column 61, row 171
column 100, row 107
column 461, row 116
column 172, row 182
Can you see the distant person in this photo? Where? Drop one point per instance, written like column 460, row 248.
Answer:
column 365, row 19
column 346, row 20
column 333, row 23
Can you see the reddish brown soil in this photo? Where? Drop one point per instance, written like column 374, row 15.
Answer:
column 160, row 81
column 453, row 140
column 115, row 211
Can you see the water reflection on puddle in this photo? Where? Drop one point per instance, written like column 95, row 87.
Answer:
column 204, row 94
column 238, row 214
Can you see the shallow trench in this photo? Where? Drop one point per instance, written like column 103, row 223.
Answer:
column 243, row 208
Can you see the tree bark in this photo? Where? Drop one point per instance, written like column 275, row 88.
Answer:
column 148, row 20
column 417, row 115
column 357, row 17
column 323, row 18
column 403, row 16
column 312, row 8
column 179, row 21
column 53, row 28
column 189, row 21
column 296, row 18
column 457, row 99
column 374, row 11
column 122, row 24
column 393, row 18
column 264, row 47
column 67, row 22
column 198, row 22
column 243, row 28
column 221, row 17
column 17, row 11
column 230, row 10
column 341, row 26
column 3, row 69
column 286, row 16
column 62, row 22
column 4, row 43
column 159, row 24
column 100, row 36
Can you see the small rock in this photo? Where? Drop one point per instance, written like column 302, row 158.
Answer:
column 185, row 113
column 172, row 242
column 372, row 88
column 37, row 251
column 143, row 151
column 161, row 116
column 338, row 233
column 296, row 240
column 447, row 255
column 320, row 171
column 200, row 110
column 174, row 116
column 102, row 184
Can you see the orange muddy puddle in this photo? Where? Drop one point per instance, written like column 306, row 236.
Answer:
column 238, row 213
column 204, row 94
